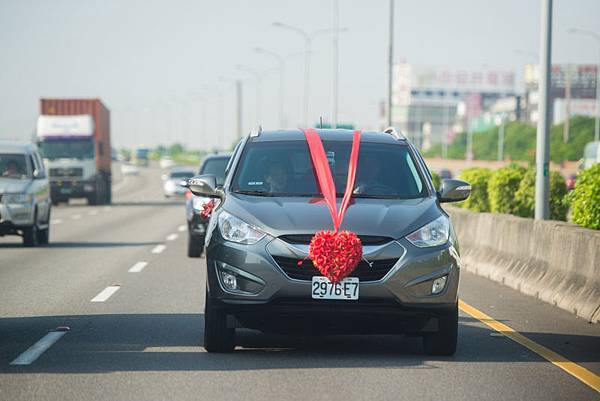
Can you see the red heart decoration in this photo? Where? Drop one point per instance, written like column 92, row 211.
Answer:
column 335, row 254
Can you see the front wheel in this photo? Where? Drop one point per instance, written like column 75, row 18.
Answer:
column 444, row 341
column 30, row 236
column 217, row 336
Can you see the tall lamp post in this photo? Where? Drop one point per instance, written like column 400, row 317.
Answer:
column 308, row 38
column 595, row 36
column 258, row 78
column 281, row 62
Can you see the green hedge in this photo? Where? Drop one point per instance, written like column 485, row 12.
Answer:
column 525, row 196
column 478, row 177
column 435, row 177
column 585, row 198
column 502, row 187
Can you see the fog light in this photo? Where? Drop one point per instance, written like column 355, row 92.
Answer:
column 229, row 281
column 438, row 285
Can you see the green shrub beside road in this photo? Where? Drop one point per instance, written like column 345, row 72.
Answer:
column 436, row 180
column 585, row 198
column 525, row 196
column 478, row 177
column 502, row 187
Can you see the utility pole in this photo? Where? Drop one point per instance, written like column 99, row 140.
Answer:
column 542, row 176
column 238, row 95
column 390, row 64
column 501, row 140
column 335, row 22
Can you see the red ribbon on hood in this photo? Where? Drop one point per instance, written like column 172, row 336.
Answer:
column 325, row 179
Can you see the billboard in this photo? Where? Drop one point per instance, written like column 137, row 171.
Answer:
column 581, row 78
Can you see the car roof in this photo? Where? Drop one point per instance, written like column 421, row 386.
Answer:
column 326, row 135
column 217, row 156
column 16, row 147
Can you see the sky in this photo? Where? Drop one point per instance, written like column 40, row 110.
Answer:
column 165, row 68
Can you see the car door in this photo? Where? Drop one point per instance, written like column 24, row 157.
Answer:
column 40, row 187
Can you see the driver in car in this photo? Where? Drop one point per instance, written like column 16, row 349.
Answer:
column 276, row 177
column 11, row 169
column 369, row 177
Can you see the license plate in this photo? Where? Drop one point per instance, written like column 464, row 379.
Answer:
column 347, row 289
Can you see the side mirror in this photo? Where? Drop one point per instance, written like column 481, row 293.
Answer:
column 38, row 174
column 454, row 191
column 204, row 185
column 183, row 183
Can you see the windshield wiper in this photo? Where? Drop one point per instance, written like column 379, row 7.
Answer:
column 253, row 192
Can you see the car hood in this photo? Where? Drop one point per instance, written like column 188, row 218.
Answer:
column 13, row 186
column 393, row 218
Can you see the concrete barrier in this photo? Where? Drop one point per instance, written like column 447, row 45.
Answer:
column 554, row 261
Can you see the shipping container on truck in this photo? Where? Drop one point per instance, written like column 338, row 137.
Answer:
column 74, row 138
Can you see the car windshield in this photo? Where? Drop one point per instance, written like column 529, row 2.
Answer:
column 14, row 166
column 73, row 148
column 285, row 169
column 181, row 174
column 215, row 167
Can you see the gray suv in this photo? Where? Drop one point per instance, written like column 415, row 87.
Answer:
column 24, row 194
column 270, row 206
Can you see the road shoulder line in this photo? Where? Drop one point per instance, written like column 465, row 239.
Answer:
column 575, row 370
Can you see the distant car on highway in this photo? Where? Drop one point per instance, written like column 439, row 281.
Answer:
column 173, row 179
column 216, row 165
column 445, row 174
column 166, row 162
column 24, row 194
column 259, row 275
column 129, row 169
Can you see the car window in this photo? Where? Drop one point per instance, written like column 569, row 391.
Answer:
column 284, row 168
column 14, row 166
column 216, row 167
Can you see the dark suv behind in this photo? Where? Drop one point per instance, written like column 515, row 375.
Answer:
column 258, row 238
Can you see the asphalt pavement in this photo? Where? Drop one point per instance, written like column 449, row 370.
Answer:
column 127, row 302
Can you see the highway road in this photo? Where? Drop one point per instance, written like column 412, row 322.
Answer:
column 117, row 281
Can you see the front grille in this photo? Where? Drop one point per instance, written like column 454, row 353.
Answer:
column 364, row 239
column 66, row 172
column 307, row 270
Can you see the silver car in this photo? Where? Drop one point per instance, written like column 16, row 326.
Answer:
column 258, row 238
column 24, row 194
column 173, row 179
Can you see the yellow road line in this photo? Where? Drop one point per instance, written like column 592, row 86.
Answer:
column 575, row 370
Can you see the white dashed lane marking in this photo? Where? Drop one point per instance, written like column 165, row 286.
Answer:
column 159, row 248
column 93, row 212
column 138, row 267
column 56, row 221
column 172, row 237
column 181, row 228
column 76, row 216
column 106, row 293
column 37, row 349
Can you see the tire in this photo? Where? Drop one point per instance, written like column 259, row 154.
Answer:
column 195, row 248
column 443, row 342
column 30, row 236
column 44, row 235
column 218, row 338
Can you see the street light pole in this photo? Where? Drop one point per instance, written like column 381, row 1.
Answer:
column 595, row 36
column 542, row 176
column 258, row 77
column 307, row 54
column 335, row 25
column 390, row 64
column 281, row 62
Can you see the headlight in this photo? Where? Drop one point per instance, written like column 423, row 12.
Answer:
column 17, row 198
column 198, row 202
column 236, row 230
column 432, row 234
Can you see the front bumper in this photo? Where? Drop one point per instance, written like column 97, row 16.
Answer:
column 400, row 301
column 15, row 216
column 71, row 188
